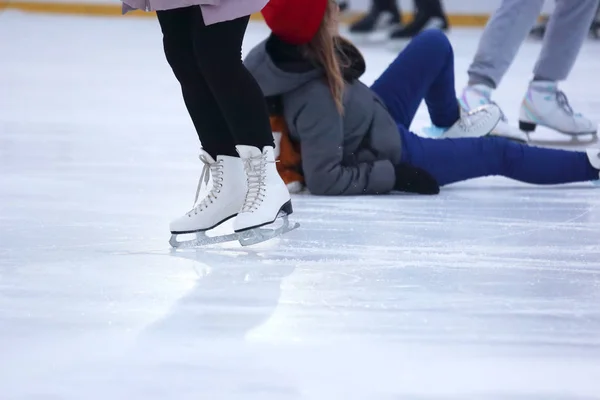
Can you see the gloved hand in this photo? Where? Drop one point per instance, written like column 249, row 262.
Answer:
column 412, row 179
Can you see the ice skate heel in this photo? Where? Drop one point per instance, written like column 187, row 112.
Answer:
column 287, row 208
column 258, row 234
column 527, row 127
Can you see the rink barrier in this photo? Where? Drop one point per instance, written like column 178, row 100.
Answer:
column 108, row 10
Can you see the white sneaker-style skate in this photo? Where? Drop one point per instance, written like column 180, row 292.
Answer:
column 479, row 95
column 545, row 105
column 222, row 202
column 475, row 123
column 267, row 198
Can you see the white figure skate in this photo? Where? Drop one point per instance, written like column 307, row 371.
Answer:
column 478, row 122
column 223, row 201
column 479, row 95
column 547, row 106
column 267, row 198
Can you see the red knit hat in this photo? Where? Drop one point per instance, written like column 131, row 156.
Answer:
column 295, row 21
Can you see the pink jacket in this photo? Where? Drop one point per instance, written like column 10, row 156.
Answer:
column 213, row 11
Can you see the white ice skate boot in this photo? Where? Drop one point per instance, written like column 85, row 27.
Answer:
column 545, row 105
column 222, row 202
column 267, row 197
column 475, row 123
column 472, row 124
column 479, row 95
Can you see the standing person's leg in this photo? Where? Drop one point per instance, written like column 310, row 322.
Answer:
column 228, row 109
column 455, row 160
column 425, row 71
column 502, row 37
column 566, row 32
column 544, row 104
column 219, row 54
column 226, row 196
column 218, row 50
column 210, row 124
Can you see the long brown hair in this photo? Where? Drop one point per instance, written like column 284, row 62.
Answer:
column 324, row 49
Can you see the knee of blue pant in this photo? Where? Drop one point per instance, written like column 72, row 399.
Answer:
column 434, row 41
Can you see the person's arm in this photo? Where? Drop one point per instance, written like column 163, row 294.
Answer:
column 319, row 126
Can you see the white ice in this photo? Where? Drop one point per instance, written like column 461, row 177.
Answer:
column 489, row 291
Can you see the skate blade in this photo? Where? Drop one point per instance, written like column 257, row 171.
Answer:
column 259, row 235
column 202, row 239
column 573, row 141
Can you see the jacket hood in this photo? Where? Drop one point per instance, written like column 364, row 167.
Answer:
column 280, row 67
column 281, row 77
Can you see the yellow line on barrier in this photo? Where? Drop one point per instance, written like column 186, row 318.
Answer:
column 115, row 10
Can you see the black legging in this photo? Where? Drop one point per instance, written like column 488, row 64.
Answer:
column 224, row 101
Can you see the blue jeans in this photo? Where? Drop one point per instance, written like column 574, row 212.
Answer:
column 424, row 70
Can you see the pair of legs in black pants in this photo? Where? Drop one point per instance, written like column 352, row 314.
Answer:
column 224, row 101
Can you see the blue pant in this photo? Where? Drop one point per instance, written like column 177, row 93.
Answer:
column 424, row 70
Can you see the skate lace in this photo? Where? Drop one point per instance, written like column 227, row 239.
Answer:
column 466, row 121
column 563, row 102
column 209, row 169
column 256, row 168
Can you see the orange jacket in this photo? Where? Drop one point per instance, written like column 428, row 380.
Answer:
column 288, row 155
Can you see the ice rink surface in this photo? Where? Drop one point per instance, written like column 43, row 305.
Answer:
column 489, row 291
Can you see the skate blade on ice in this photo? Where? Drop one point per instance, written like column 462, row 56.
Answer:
column 245, row 238
column 202, row 239
column 262, row 234
column 573, row 141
